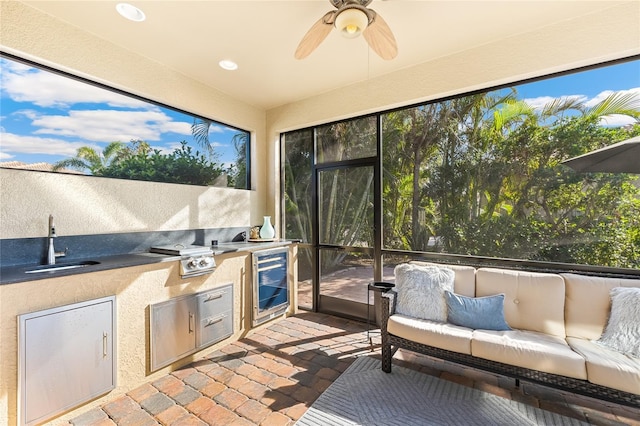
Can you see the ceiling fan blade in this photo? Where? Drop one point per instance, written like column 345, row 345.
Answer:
column 380, row 38
column 316, row 35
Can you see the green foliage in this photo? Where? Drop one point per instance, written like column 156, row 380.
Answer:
column 479, row 175
column 138, row 161
column 237, row 173
column 180, row 166
column 490, row 181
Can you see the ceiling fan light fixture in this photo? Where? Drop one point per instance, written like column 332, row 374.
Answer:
column 351, row 22
column 130, row 12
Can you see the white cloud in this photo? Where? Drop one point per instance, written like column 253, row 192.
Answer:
column 608, row 121
column 215, row 144
column 109, row 125
column 27, row 113
column 217, row 129
column 179, row 127
column 5, row 156
column 540, row 102
column 19, row 144
column 602, row 95
column 616, row 120
column 25, row 84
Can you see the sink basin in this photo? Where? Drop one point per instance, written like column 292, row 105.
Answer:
column 61, row 266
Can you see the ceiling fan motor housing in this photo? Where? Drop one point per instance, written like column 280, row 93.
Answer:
column 339, row 3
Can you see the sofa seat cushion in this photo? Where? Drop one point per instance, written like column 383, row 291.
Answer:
column 433, row 333
column 607, row 367
column 529, row 349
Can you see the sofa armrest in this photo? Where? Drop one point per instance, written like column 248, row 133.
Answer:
column 387, row 308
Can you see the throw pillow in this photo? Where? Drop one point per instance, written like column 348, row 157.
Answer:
column 622, row 332
column 486, row 313
column 420, row 291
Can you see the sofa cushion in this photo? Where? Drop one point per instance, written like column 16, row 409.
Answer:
column 464, row 282
column 588, row 303
column 421, row 290
column 529, row 349
column 622, row 332
column 609, row 368
column 533, row 301
column 433, row 333
column 486, row 313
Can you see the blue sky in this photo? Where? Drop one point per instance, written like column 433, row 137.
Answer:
column 591, row 86
column 46, row 117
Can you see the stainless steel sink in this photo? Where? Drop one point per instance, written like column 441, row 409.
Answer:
column 61, row 266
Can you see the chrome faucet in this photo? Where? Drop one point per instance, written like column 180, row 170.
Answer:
column 51, row 252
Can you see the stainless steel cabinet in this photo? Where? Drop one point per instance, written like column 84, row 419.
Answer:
column 66, row 356
column 215, row 311
column 185, row 324
column 173, row 332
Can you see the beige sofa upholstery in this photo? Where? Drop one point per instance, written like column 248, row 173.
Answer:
column 587, row 306
column 555, row 319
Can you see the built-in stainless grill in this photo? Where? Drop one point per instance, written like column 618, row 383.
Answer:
column 195, row 260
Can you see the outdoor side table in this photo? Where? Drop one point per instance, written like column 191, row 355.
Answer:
column 377, row 288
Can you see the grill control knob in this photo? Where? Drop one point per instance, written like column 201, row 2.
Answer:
column 192, row 263
column 205, row 262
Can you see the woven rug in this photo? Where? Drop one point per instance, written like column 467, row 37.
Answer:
column 365, row 395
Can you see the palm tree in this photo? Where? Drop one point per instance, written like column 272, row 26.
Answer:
column 200, row 131
column 88, row 158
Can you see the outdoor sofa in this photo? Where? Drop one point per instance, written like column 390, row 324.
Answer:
column 561, row 328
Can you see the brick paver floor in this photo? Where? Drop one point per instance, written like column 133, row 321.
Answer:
column 271, row 377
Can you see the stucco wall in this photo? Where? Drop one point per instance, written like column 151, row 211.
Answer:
column 85, row 205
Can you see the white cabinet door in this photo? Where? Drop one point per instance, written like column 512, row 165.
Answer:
column 66, row 357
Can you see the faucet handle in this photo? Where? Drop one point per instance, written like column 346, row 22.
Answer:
column 52, row 227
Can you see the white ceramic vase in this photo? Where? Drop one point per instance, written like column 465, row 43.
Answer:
column 267, row 231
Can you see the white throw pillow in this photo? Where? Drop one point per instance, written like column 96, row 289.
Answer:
column 421, row 291
column 622, row 333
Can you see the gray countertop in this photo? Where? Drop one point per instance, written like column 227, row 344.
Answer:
column 18, row 274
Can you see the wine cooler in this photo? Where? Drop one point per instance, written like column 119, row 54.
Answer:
column 270, row 284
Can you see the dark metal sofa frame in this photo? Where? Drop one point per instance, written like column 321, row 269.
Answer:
column 391, row 343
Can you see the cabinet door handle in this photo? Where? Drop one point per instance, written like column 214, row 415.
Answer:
column 215, row 296
column 268, row 268
column 211, row 321
column 273, row 259
column 104, row 344
column 192, row 322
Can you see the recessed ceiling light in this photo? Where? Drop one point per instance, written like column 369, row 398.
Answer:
column 228, row 64
column 130, row 12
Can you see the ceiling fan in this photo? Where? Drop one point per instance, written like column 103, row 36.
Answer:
column 351, row 18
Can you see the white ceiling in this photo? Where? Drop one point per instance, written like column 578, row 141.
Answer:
column 191, row 37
